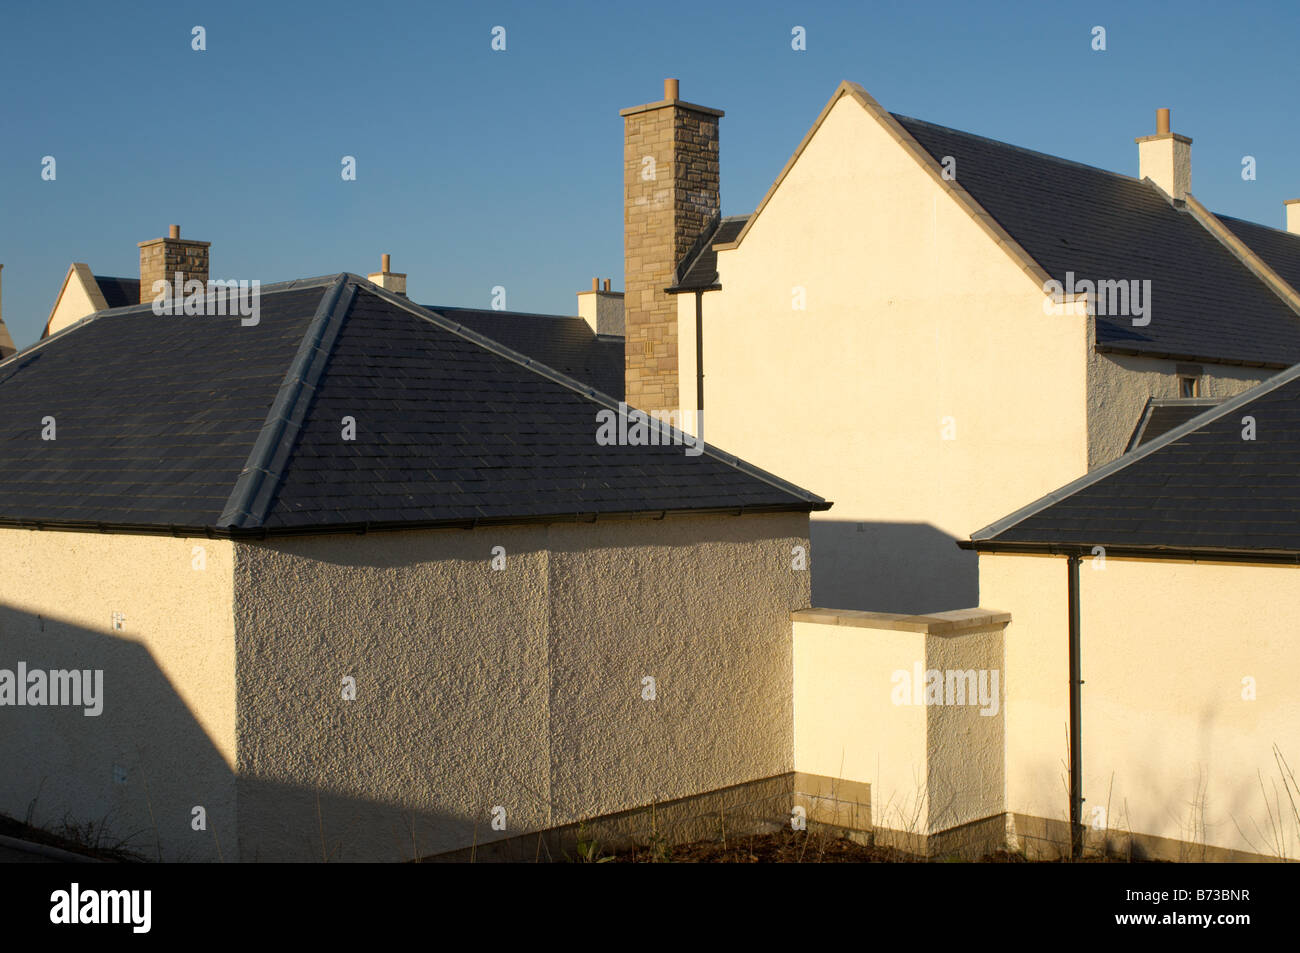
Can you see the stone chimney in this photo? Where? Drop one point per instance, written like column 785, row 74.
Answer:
column 388, row 280
column 670, row 192
column 1166, row 158
column 161, row 259
column 603, row 310
column 1292, row 217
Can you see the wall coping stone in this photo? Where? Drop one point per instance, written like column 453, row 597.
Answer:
column 951, row 622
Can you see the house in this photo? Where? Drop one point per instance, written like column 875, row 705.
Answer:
column 1149, row 604
column 358, row 582
column 933, row 327
column 434, row 607
column 83, row 294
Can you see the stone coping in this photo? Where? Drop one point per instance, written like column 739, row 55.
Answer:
column 680, row 103
column 936, row 623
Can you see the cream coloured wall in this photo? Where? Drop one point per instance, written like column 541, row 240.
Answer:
column 1171, row 747
column 79, row 298
column 519, row 688
column 165, row 740
column 915, row 319
column 1120, row 384
column 686, row 364
column 859, row 714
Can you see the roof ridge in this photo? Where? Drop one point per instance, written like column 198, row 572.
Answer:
column 585, row 390
column 1025, row 149
column 1247, row 221
column 278, row 287
column 250, row 498
column 440, row 308
column 1229, row 405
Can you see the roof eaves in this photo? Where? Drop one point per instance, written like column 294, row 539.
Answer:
column 333, row 529
column 678, row 289
column 1108, row 348
column 1135, row 551
column 993, row 530
column 250, row 498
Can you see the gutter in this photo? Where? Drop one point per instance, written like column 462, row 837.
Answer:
column 1184, row 553
column 381, row 526
column 1201, row 358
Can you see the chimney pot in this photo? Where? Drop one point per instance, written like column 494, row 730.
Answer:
column 384, row 261
column 173, row 231
column 595, row 284
column 1162, row 122
column 606, row 284
column 670, row 90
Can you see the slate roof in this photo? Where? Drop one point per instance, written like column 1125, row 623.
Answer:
column 1279, row 249
column 119, row 292
column 1161, row 415
column 200, row 424
column 1201, row 487
column 567, row 344
column 698, row 269
column 1206, row 304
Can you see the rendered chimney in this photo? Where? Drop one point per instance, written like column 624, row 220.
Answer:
column 1166, row 158
column 670, row 192
column 388, row 280
column 1292, row 217
column 603, row 310
column 6, row 341
column 161, row 259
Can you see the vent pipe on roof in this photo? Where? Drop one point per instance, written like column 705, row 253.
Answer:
column 388, row 279
column 1293, row 216
column 1166, row 159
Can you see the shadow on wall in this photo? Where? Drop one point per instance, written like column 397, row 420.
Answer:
column 890, row 567
column 134, row 774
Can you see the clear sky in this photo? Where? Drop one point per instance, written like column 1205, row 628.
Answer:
column 478, row 168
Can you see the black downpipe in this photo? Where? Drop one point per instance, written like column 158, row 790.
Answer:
column 1076, row 714
column 699, row 359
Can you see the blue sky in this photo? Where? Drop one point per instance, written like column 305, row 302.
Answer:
column 478, row 168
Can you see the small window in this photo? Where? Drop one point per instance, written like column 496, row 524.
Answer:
column 1189, row 387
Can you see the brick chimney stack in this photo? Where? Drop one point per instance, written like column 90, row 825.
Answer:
column 162, row 258
column 670, row 193
column 1292, row 217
